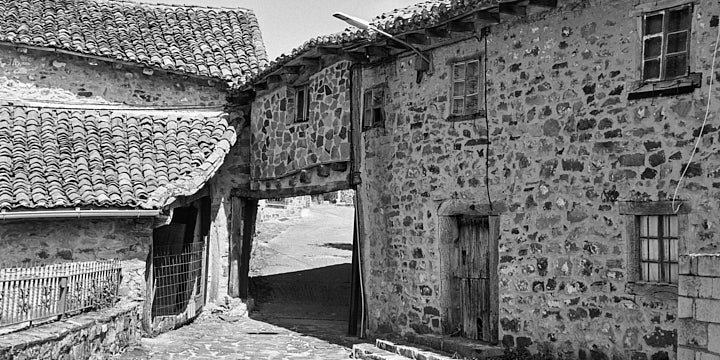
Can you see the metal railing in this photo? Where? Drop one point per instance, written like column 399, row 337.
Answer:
column 178, row 279
column 43, row 292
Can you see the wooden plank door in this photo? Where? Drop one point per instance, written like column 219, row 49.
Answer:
column 474, row 274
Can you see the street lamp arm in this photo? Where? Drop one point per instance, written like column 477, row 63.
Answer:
column 365, row 25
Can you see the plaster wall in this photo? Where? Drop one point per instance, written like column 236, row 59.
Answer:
column 565, row 147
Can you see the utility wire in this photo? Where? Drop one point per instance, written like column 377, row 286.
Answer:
column 702, row 128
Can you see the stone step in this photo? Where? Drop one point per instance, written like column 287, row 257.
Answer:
column 371, row 352
column 467, row 348
column 409, row 352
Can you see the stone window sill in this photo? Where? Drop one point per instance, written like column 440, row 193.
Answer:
column 455, row 118
column 672, row 87
column 653, row 291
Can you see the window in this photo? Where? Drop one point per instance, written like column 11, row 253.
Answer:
column 666, row 40
column 658, row 237
column 302, row 103
column 466, row 88
column 374, row 107
column 655, row 235
column 664, row 55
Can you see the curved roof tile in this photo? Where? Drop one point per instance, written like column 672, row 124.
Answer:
column 54, row 157
column 185, row 39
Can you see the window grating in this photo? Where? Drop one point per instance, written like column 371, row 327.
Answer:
column 659, row 248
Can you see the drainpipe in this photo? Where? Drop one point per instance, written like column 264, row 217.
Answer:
column 76, row 213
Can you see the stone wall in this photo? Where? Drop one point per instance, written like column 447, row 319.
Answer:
column 48, row 241
column 44, row 76
column 699, row 307
column 97, row 335
column 565, row 147
column 282, row 147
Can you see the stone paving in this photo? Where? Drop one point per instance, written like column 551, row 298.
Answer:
column 243, row 338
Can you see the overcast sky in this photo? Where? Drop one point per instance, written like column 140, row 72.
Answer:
column 286, row 24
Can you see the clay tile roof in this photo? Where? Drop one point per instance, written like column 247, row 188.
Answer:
column 106, row 158
column 414, row 17
column 222, row 43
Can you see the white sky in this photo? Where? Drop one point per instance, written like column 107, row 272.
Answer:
column 287, row 24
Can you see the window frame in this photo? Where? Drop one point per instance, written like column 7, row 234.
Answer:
column 662, row 86
column 305, row 116
column 480, row 91
column 662, row 242
column 664, row 35
column 630, row 211
column 370, row 110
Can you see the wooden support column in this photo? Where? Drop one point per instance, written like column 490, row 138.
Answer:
column 236, row 241
column 355, row 291
column 249, row 218
column 149, row 292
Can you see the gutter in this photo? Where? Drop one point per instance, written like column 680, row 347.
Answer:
column 77, row 213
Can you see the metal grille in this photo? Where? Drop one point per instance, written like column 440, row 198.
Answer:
column 31, row 293
column 178, row 279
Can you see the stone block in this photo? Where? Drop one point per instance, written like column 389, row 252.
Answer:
column 716, row 288
column 701, row 355
column 685, row 354
column 695, row 286
column 707, row 310
column 713, row 334
column 685, row 307
column 685, row 265
column 692, row 333
column 708, row 265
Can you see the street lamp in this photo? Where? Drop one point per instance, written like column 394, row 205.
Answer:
column 365, row 25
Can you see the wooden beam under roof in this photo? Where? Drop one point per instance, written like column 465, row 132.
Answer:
column 487, row 17
column 417, row 39
column 438, row 32
column 377, row 51
column 291, row 69
column 543, row 3
column 514, row 8
column 327, row 50
column 461, row 26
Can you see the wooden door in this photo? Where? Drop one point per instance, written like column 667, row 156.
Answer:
column 475, row 274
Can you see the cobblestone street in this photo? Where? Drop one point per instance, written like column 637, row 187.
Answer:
column 213, row 338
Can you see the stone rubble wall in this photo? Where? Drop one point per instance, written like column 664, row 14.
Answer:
column 96, row 335
column 281, row 147
column 35, row 75
column 48, row 241
column 566, row 145
column 699, row 307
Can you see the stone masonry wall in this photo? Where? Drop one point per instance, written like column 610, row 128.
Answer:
column 97, row 335
column 566, row 145
column 65, row 240
column 699, row 307
column 280, row 146
column 43, row 76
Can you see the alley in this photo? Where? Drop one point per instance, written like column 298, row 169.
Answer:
column 213, row 338
column 301, row 272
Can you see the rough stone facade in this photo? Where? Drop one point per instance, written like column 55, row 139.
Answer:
column 43, row 76
column 98, row 335
column 282, row 147
column 566, row 147
column 67, row 240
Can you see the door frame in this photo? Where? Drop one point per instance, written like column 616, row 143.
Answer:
column 448, row 233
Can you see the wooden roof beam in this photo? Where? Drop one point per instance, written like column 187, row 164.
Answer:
column 514, row 8
column 487, row 17
column 461, row 26
column 438, row 32
column 377, row 51
column 417, row 39
column 543, row 3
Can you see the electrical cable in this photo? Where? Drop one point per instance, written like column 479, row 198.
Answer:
column 702, row 128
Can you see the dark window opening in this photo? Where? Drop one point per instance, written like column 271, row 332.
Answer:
column 658, row 236
column 374, row 107
column 302, row 103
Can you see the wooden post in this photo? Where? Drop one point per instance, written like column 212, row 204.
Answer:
column 149, row 292
column 249, row 217
column 354, row 283
column 236, row 243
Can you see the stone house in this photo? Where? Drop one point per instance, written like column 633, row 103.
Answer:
column 113, row 120
column 530, row 185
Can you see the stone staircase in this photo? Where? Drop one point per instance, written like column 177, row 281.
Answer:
column 387, row 350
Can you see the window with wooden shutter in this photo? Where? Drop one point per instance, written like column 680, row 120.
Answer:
column 374, row 107
column 467, row 88
column 302, row 103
